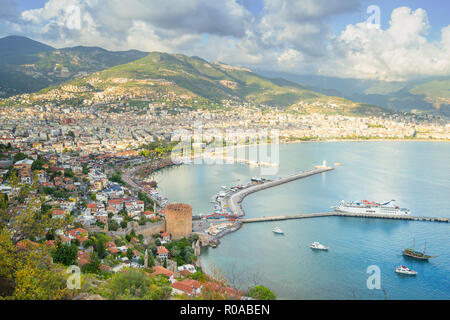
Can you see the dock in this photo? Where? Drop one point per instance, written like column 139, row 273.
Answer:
column 235, row 200
column 344, row 214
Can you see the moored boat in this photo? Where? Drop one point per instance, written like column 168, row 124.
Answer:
column 417, row 254
column 277, row 230
column 405, row 270
column 318, row 246
column 371, row 207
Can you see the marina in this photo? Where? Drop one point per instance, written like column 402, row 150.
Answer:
column 228, row 212
column 355, row 241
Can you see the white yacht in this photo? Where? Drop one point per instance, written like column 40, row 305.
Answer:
column 318, row 246
column 405, row 270
column 371, row 207
column 277, row 230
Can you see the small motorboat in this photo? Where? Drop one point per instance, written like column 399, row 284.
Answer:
column 318, row 246
column 405, row 270
column 277, row 230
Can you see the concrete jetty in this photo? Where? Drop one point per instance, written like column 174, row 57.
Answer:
column 344, row 214
column 235, row 200
column 234, row 203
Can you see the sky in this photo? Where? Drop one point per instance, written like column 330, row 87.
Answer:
column 390, row 40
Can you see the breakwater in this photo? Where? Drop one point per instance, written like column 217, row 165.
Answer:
column 344, row 214
column 234, row 201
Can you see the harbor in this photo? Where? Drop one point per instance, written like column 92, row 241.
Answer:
column 228, row 212
column 355, row 242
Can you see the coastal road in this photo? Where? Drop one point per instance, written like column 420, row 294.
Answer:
column 128, row 178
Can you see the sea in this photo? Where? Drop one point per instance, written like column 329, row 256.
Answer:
column 363, row 252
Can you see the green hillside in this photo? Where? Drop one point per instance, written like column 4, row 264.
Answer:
column 27, row 65
column 213, row 81
column 437, row 92
column 93, row 74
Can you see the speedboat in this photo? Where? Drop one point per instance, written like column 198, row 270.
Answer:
column 277, row 230
column 318, row 246
column 405, row 270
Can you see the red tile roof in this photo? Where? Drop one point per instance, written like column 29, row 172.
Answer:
column 105, row 267
column 58, row 212
column 162, row 250
column 26, row 244
column 115, row 201
column 161, row 270
column 50, row 243
column 187, row 285
column 83, row 258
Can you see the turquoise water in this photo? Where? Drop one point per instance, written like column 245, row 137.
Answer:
column 416, row 174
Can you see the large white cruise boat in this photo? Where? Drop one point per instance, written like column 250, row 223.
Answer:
column 367, row 207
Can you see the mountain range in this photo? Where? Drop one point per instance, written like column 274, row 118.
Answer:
column 28, row 66
column 424, row 95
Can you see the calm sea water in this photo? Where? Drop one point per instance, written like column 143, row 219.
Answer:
column 416, row 174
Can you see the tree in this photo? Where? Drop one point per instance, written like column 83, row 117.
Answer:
column 117, row 177
column 100, row 248
column 130, row 254
column 129, row 285
column 262, row 293
column 38, row 163
column 151, row 261
column 29, row 222
column 88, row 243
column 85, row 168
column 65, row 254
column 113, row 225
column 68, row 173
column 93, row 266
column 19, row 156
column 29, row 272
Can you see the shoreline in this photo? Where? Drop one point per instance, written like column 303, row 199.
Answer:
column 234, row 147
column 202, row 261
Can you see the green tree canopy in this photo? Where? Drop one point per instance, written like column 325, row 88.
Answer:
column 65, row 254
column 262, row 293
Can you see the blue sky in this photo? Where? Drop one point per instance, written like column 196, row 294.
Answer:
column 299, row 36
column 438, row 10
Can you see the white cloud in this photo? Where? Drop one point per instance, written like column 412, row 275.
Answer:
column 292, row 36
column 114, row 23
column 400, row 52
